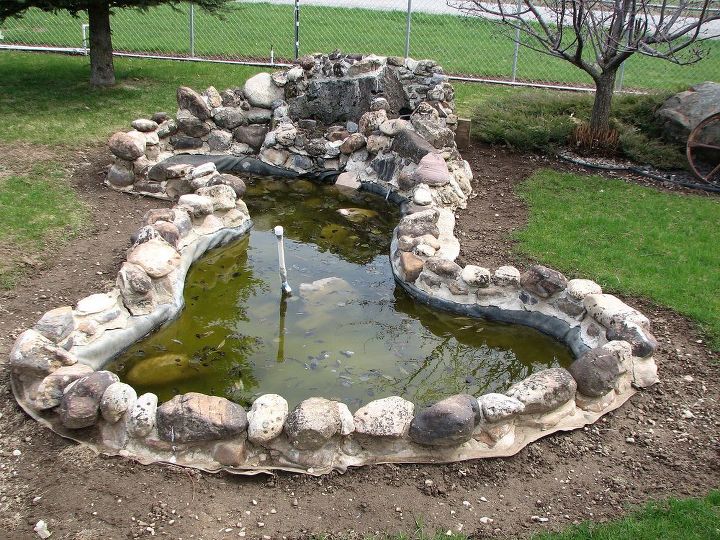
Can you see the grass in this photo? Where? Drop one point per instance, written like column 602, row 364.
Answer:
column 674, row 519
column 629, row 239
column 684, row 519
column 464, row 45
column 36, row 209
column 46, row 99
column 542, row 120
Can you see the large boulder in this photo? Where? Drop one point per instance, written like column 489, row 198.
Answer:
column 260, row 90
column 449, row 422
column 597, row 371
column 545, row 390
column 312, row 423
column 189, row 100
column 682, row 112
column 126, row 147
column 156, row 257
column 195, row 417
column 387, row 417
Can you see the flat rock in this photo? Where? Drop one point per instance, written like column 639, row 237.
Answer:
column 195, row 417
column 449, row 422
column 685, row 110
column 443, row 267
column 388, row 417
column 543, row 281
column 95, row 303
column 312, row 423
column 156, row 257
column 266, row 418
column 499, row 407
column 50, row 390
column 80, row 404
column 597, row 371
column 545, row 390
column 118, row 399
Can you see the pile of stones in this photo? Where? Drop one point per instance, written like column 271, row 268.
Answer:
column 372, row 117
column 389, row 124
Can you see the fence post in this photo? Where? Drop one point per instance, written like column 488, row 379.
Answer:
column 407, row 29
column 297, row 29
column 620, row 77
column 85, row 29
column 192, row 30
column 516, row 52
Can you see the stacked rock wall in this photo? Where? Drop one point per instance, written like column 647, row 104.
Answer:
column 388, row 124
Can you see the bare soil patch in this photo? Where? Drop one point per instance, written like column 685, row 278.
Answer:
column 662, row 443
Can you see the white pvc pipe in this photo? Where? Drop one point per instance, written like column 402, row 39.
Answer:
column 281, row 260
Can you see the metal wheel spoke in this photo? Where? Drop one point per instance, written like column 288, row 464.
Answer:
column 712, row 173
column 695, row 144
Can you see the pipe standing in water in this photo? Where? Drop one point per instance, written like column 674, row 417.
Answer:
column 281, row 259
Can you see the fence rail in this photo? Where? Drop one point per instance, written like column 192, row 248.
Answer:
column 274, row 32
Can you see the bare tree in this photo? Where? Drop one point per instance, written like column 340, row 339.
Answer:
column 597, row 36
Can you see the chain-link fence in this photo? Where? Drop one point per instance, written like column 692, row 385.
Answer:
column 266, row 32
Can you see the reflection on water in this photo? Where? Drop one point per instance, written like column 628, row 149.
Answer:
column 347, row 333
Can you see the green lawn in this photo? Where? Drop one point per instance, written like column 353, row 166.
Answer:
column 47, row 99
column 630, row 239
column 463, row 45
column 36, row 209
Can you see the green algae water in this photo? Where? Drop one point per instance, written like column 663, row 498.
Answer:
column 347, row 332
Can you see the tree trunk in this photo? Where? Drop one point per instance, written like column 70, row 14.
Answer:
column 604, row 88
column 102, row 72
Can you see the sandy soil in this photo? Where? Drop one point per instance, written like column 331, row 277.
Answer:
column 662, row 443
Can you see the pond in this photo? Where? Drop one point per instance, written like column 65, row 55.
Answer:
column 347, row 332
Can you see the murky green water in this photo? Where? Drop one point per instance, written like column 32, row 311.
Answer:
column 356, row 339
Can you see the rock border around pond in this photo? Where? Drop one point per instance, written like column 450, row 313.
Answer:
column 388, row 124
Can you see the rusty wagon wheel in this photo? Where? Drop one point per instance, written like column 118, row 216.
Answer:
column 703, row 150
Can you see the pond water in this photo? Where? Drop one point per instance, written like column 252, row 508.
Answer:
column 347, row 332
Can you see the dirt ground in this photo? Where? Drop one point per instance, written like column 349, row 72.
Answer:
column 663, row 442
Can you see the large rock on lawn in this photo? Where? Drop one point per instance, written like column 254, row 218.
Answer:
column 682, row 112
